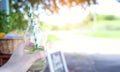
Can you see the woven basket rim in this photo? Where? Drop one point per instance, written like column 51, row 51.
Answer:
column 9, row 38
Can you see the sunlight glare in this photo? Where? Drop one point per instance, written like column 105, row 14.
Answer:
column 75, row 14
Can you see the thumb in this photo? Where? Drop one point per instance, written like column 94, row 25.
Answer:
column 20, row 47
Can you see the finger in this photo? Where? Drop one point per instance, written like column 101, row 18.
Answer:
column 29, row 45
column 39, row 55
column 24, row 44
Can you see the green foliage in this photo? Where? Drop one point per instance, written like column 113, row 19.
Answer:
column 107, row 17
column 107, row 26
column 4, row 24
column 44, row 26
column 17, row 21
column 14, row 21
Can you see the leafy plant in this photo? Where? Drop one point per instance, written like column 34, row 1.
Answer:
column 107, row 17
column 17, row 21
column 14, row 21
column 4, row 22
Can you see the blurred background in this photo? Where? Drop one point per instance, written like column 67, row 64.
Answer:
column 86, row 30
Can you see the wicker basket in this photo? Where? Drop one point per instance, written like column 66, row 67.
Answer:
column 7, row 46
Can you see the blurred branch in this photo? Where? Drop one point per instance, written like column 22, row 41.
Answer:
column 53, row 5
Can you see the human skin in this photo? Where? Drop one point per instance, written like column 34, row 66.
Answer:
column 21, row 61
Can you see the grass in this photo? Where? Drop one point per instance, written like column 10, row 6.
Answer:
column 104, row 34
column 109, row 23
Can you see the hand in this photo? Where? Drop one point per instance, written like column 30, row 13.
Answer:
column 21, row 61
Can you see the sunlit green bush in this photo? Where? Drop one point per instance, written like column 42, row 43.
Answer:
column 107, row 17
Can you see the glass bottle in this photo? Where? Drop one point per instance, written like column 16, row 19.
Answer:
column 35, row 35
